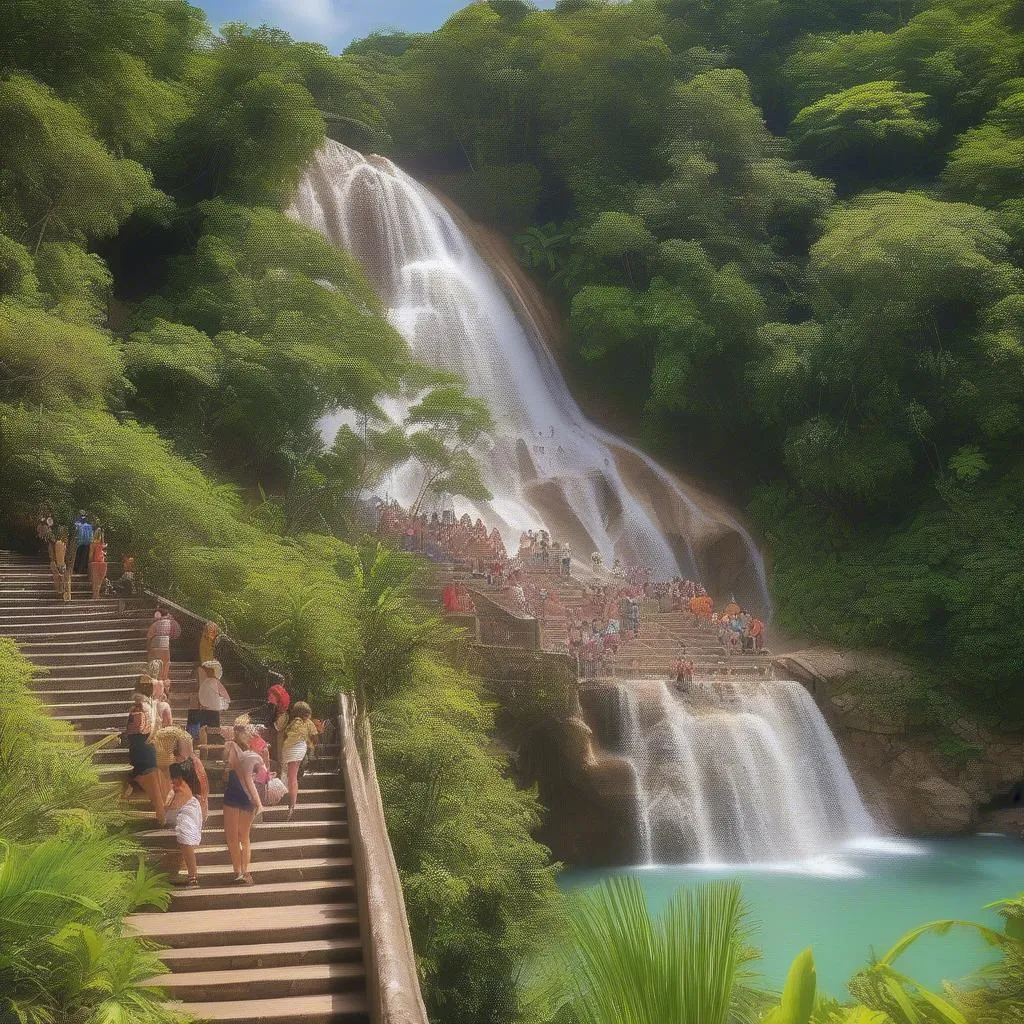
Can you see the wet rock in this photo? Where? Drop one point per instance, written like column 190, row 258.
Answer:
column 943, row 807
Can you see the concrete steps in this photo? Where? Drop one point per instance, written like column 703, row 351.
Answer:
column 286, row 950
column 240, row 982
column 335, row 1008
column 254, row 956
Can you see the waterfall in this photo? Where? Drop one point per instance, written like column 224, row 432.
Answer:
column 735, row 771
column 738, row 771
column 548, row 465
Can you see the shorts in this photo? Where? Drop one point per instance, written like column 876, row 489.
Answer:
column 142, row 755
column 296, row 752
column 235, row 794
column 188, row 826
column 203, row 716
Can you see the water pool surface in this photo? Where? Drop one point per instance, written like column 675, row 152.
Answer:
column 861, row 901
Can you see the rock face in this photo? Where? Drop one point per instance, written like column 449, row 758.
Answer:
column 588, row 794
column 907, row 780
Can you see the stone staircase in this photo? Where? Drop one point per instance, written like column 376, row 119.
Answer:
column 663, row 638
column 284, row 951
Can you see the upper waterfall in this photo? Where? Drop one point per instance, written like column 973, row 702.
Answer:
column 549, row 465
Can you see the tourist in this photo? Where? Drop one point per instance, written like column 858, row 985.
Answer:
column 172, row 743
column 161, row 632
column 241, row 798
column 211, row 699
column 97, row 562
column 756, row 633
column 58, row 565
column 154, row 687
column 683, row 671
column 137, row 737
column 189, row 816
column 274, row 715
column 634, row 617
column 610, row 638
column 519, row 595
column 595, row 560
column 81, row 538
column 208, row 641
column 127, row 585
column 299, row 736
column 44, row 528
column 566, row 560
column 464, row 604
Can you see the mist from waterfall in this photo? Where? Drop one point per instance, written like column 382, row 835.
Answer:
column 548, row 466
column 733, row 772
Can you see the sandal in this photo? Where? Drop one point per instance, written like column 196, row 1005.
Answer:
column 192, row 883
column 239, row 880
column 247, row 880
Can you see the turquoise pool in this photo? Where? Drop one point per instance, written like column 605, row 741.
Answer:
column 863, row 900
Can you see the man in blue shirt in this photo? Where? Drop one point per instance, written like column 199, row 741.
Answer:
column 81, row 538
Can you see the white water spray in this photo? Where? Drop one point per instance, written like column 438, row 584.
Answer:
column 738, row 772
column 549, row 466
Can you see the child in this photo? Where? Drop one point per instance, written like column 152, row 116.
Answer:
column 188, row 824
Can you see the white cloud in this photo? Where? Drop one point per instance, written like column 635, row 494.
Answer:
column 307, row 19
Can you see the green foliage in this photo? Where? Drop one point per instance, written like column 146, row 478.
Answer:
column 253, row 122
column 60, row 182
column 504, row 195
column 875, row 123
column 690, row 966
column 66, row 878
column 248, row 350
column 46, row 359
column 797, row 1004
column 118, row 61
column 479, row 891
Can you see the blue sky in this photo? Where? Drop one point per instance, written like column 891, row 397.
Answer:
column 336, row 22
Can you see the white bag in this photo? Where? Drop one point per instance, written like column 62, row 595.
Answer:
column 276, row 790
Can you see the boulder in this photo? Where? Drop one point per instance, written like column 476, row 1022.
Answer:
column 942, row 808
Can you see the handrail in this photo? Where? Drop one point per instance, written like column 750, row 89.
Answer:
column 392, row 981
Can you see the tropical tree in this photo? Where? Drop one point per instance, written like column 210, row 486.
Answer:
column 445, row 430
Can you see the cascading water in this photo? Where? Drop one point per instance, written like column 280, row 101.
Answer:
column 755, row 777
column 739, row 771
column 549, row 466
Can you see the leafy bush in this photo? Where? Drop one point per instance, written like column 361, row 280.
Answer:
column 66, row 875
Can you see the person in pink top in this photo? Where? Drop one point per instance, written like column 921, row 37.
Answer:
column 161, row 632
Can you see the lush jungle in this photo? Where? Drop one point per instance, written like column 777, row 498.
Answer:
column 790, row 232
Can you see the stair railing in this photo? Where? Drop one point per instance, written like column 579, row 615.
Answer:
column 393, row 988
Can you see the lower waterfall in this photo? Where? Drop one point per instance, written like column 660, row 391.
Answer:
column 729, row 772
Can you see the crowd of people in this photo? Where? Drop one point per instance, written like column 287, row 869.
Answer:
column 263, row 755
column 441, row 537
column 594, row 628
column 81, row 548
